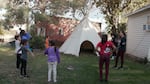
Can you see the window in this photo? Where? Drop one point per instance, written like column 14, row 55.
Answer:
column 148, row 19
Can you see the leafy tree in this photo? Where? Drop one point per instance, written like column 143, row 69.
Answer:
column 114, row 9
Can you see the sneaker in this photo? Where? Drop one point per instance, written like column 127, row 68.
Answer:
column 120, row 67
column 49, row 80
column 55, row 81
column 21, row 76
column 114, row 67
column 26, row 76
column 106, row 80
column 101, row 80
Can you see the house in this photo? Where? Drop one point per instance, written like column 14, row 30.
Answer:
column 138, row 35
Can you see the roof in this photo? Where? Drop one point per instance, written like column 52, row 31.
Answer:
column 139, row 10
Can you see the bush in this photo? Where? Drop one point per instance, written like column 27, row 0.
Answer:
column 37, row 42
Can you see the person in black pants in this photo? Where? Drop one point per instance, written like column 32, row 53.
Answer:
column 121, row 50
column 18, row 54
column 24, row 50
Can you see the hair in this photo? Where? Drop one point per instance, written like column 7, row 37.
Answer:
column 22, row 32
column 52, row 43
column 16, row 37
column 104, row 38
column 123, row 33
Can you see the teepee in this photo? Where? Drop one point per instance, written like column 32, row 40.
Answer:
column 84, row 31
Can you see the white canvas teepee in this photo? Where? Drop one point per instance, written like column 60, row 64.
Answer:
column 84, row 31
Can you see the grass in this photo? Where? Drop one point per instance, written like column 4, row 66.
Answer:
column 85, row 70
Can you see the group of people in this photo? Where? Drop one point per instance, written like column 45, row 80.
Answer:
column 22, row 47
column 106, row 49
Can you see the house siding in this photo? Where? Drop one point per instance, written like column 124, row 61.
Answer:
column 138, row 40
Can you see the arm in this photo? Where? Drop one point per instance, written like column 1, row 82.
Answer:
column 113, row 47
column 98, row 47
column 58, row 55
column 46, row 51
column 30, row 52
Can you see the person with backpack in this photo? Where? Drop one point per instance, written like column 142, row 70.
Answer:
column 53, row 57
column 104, row 48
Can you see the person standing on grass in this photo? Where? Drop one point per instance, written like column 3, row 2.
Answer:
column 115, row 42
column 23, row 57
column 17, row 47
column 104, row 48
column 53, row 58
column 121, row 49
column 25, row 36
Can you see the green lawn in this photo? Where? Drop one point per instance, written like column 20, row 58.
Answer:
column 85, row 70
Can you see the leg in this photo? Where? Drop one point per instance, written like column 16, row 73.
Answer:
column 101, row 62
column 54, row 71
column 122, row 58
column 107, row 60
column 21, row 69
column 18, row 61
column 49, row 71
column 117, row 57
column 25, row 67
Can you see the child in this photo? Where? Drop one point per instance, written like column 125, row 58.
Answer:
column 47, row 42
column 24, row 50
column 105, row 49
column 53, row 59
column 17, row 47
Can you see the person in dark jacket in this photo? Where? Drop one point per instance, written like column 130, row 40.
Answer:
column 121, row 50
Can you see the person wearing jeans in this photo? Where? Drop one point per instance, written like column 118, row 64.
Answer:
column 53, row 58
column 52, row 66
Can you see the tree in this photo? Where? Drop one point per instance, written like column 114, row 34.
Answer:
column 113, row 10
column 18, row 9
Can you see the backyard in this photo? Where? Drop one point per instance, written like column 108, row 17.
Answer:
column 84, row 70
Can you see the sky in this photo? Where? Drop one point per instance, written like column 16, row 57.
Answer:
column 94, row 15
column 2, row 12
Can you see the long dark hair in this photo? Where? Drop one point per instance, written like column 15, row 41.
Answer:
column 52, row 43
column 104, row 38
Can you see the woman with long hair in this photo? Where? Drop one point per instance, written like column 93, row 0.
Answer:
column 104, row 48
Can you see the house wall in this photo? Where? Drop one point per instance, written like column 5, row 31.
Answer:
column 138, row 40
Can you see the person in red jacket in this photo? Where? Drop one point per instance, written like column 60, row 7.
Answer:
column 104, row 48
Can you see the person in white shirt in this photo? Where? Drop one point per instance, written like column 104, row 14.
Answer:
column 17, row 47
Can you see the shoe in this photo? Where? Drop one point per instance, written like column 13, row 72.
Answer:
column 101, row 80
column 55, row 81
column 114, row 67
column 106, row 80
column 120, row 67
column 26, row 76
column 21, row 76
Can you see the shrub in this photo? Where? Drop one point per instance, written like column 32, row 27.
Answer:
column 37, row 42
